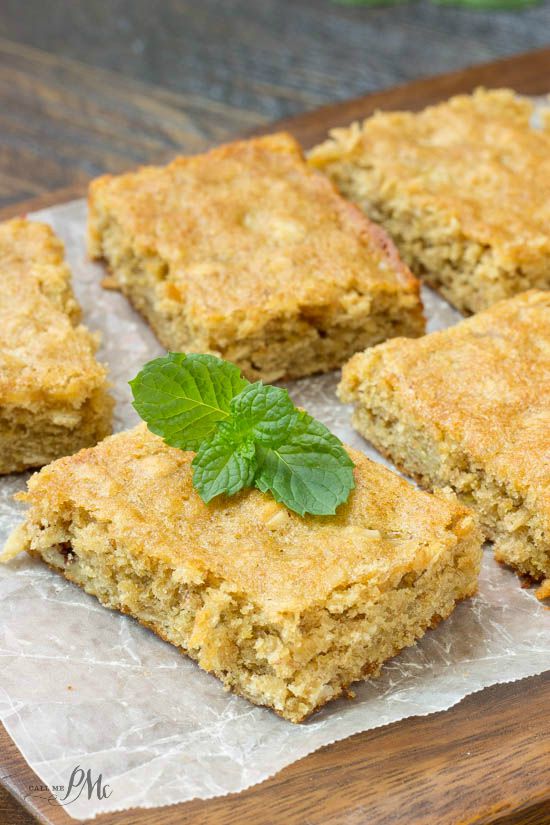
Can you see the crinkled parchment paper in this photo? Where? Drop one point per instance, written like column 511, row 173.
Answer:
column 80, row 685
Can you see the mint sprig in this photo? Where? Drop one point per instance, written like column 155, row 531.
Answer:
column 225, row 463
column 244, row 434
column 182, row 397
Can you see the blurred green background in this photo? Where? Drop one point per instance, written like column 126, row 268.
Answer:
column 472, row 4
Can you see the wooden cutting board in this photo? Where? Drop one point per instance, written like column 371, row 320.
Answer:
column 487, row 760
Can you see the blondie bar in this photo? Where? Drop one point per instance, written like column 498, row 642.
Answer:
column 53, row 392
column 461, row 187
column 469, row 407
column 286, row 611
column 248, row 253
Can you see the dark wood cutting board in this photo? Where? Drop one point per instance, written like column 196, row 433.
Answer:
column 485, row 761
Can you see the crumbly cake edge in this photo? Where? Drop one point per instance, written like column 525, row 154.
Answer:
column 283, row 348
column 453, row 577
column 33, row 433
column 289, row 348
column 51, row 273
column 31, row 438
column 392, row 430
column 470, row 275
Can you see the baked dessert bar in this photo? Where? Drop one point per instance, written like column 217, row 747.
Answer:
column 461, row 187
column 286, row 611
column 247, row 253
column 53, row 392
column 469, row 407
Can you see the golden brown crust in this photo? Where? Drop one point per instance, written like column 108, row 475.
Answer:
column 287, row 612
column 462, row 187
column 474, row 159
column 53, row 392
column 44, row 356
column 228, row 211
column 31, row 250
column 385, row 529
column 246, row 243
column 484, row 382
column 470, row 407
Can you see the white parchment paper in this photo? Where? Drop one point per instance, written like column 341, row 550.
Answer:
column 83, row 686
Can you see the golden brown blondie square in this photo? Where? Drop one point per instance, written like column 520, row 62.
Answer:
column 286, row 611
column 461, row 187
column 469, row 407
column 53, row 392
column 248, row 253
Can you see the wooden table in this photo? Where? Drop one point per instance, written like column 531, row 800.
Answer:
column 485, row 761
column 98, row 85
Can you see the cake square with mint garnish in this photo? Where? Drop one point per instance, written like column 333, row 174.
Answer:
column 469, row 407
column 462, row 188
column 248, row 253
column 285, row 610
column 53, row 392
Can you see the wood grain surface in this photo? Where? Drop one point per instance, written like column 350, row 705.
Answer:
column 273, row 58
column 98, row 85
column 484, row 762
column 526, row 73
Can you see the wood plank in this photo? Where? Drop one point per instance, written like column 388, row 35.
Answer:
column 526, row 73
column 62, row 122
column 275, row 57
column 484, row 762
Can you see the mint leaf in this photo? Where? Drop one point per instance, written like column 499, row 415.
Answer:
column 265, row 413
column 224, row 463
column 296, row 458
column 227, row 462
column 244, row 434
column 183, row 397
column 310, row 472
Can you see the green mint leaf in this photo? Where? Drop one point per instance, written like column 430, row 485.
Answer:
column 183, row 397
column 244, row 434
column 297, row 459
column 225, row 463
column 264, row 413
column 310, row 472
column 476, row 4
